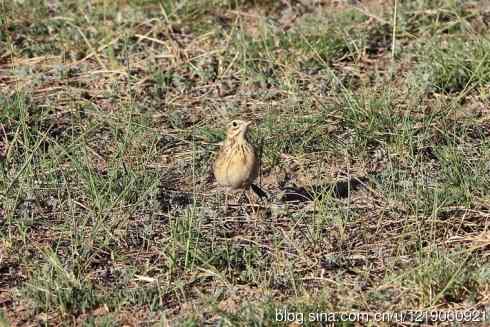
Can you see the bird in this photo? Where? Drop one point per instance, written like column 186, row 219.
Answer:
column 237, row 165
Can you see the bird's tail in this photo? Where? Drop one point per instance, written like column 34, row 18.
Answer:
column 257, row 190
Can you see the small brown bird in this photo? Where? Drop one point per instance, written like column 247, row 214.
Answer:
column 236, row 165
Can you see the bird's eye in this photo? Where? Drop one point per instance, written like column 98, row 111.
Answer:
column 234, row 124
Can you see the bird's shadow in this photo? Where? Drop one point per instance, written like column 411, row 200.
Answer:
column 339, row 190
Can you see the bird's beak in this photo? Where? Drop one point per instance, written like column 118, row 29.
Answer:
column 247, row 123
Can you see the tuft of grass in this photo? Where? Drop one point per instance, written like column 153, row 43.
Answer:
column 56, row 286
column 458, row 67
column 440, row 276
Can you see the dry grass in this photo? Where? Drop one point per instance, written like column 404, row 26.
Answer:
column 375, row 158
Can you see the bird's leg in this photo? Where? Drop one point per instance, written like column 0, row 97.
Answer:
column 226, row 202
column 252, row 205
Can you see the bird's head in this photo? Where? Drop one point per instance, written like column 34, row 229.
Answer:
column 237, row 129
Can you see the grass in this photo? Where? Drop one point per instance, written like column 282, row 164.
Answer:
column 110, row 115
